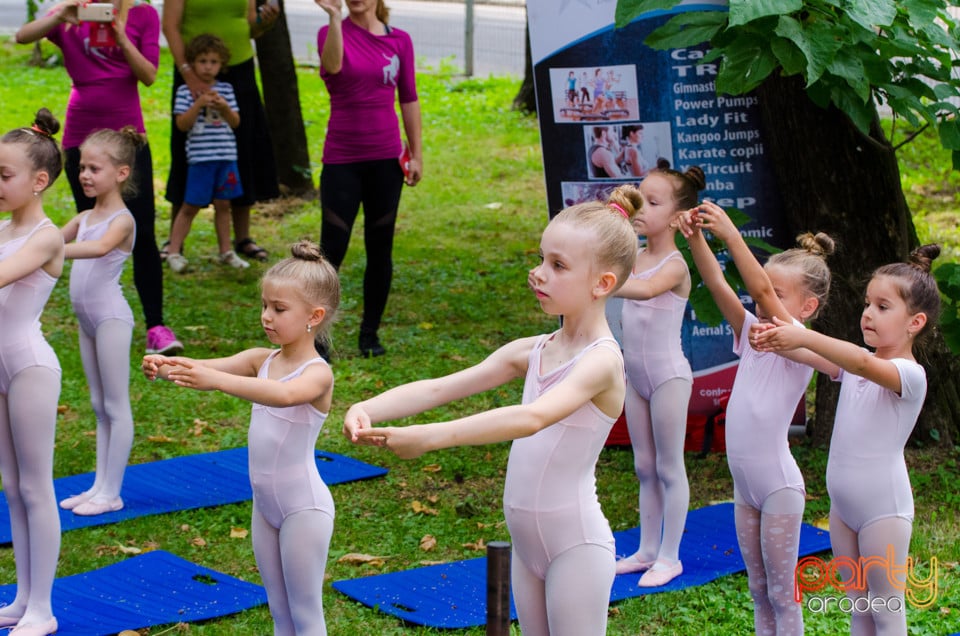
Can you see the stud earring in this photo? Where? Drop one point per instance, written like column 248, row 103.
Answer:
column 309, row 328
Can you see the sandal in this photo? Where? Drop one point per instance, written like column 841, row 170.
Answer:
column 249, row 248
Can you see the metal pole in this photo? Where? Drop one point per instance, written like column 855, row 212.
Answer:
column 468, row 41
column 498, row 588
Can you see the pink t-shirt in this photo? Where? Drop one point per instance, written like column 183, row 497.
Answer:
column 363, row 121
column 104, row 92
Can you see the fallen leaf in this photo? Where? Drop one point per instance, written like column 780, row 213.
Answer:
column 823, row 524
column 426, row 562
column 478, row 545
column 184, row 528
column 433, row 498
column 428, row 542
column 90, row 433
column 128, row 632
column 355, row 558
column 62, row 408
column 419, row 508
column 198, row 541
column 160, row 438
column 129, row 549
column 239, row 533
column 496, row 205
column 431, row 468
column 426, row 326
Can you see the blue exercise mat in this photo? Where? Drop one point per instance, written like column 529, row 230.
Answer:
column 453, row 595
column 150, row 589
column 184, row 483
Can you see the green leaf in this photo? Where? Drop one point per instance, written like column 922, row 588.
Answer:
column 687, row 29
column 744, row 11
column 745, row 66
column 850, row 69
column 760, row 244
column 950, row 134
column 629, row 10
column 876, row 13
column 791, row 59
column 818, row 42
column 703, row 306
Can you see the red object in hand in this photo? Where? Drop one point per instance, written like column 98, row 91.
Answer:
column 405, row 160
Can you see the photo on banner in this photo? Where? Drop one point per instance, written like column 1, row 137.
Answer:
column 610, row 108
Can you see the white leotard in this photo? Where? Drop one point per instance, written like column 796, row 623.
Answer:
column 765, row 394
column 867, row 477
column 283, row 466
column 550, row 496
column 652, row 350
column 95, row 282
column 22, row 344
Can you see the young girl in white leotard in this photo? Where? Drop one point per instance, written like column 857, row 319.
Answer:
column 881, row 394
column 768, row 487
column 659, row 379
column 31, row 260
column 291, row 389
column 563, row 550
column 100, row 240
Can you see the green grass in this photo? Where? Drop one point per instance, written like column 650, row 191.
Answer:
column 466, row 237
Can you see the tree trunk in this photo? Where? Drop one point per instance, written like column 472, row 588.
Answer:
column 281, row 100
column 526, row 99
column 833, row 179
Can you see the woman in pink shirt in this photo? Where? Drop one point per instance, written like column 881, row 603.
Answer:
column 366, row 65
column 105, row 94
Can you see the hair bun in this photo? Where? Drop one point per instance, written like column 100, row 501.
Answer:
column 306, row 250
column 44, row 122
column 697, row 177
column 923, row 256
column 819, row 244
column 663, row 164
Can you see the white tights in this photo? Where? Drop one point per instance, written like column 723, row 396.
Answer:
column 657, row 432
column 28, row 418
column 292, row 562
column 573, row 599
column 873, row 540
column 106, row 363
column 769, row 542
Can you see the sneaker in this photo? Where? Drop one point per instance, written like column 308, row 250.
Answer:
column 230, row 258
column 160, row 339
column 177, row 262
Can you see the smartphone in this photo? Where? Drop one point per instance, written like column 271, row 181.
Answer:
column 95, row 12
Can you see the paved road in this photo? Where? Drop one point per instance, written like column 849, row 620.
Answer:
column 437, row 29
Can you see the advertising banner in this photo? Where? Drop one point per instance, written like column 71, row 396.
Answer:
column 611, row 107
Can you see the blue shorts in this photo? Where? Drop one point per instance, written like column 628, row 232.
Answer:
column 212, row 180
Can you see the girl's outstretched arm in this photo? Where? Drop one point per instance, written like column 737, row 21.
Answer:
column 783, row 336
column 726, row 299
column 712, row 217
column 119, row 233
column 597, row 378
column 39, row 250
column 506, row 363
column 311, row 384
column 245, row 363
column 672, row 275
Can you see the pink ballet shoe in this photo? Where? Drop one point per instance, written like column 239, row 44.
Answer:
column 93, row 507
column 72, row 502
column 632, row 563
column 36, row 629
column 656, row 577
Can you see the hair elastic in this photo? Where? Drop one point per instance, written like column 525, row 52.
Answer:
column 40, row 130
column 619, row 208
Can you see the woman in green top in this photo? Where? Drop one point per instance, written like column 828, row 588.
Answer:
column 234, row 22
